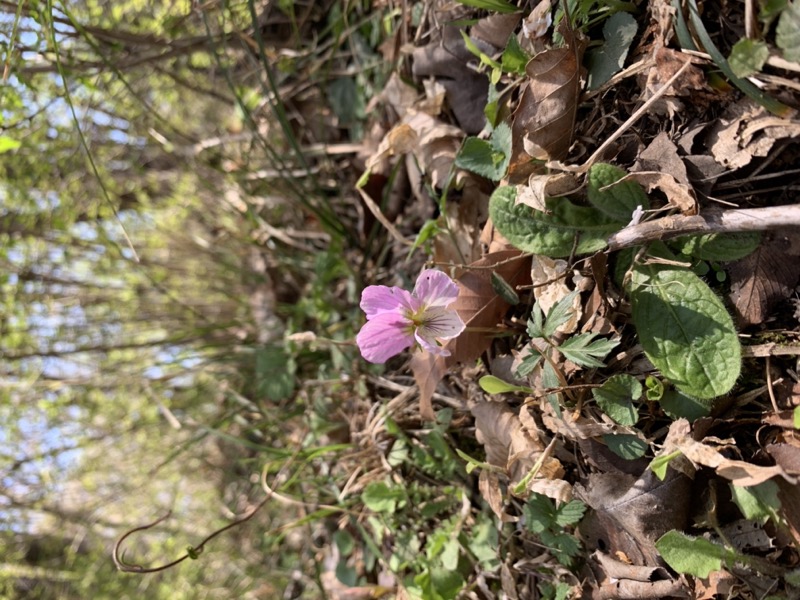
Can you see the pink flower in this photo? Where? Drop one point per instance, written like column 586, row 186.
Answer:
column 396, row 318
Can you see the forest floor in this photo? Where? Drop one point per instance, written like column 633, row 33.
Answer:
column 616, row 199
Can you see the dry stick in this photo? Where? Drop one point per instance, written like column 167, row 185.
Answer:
column 729, row 221
column 376, row 211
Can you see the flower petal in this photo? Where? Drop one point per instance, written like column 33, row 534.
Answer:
column 385, row 335
column 429, row 343
column 379, row 299
column 441, row 323
column 434, row 288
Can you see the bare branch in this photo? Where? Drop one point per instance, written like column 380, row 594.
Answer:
column 729, row 221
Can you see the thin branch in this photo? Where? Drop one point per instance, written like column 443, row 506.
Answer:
column 729, row 221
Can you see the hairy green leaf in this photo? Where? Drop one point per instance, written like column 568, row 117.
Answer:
column 514, row 57
column 748, row 56
column 684, row 329
column 554, row 233
column 616, row 200
column 615, row 398
column 758, row 502
column 787, row 33
column 683, row 406
column 627, row 446
column 695, row 556
column 720, row 247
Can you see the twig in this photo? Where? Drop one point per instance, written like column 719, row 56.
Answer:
column 729, row 221
column 376, row 211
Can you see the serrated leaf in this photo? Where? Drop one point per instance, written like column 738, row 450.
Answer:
column 540, row 513
column 552, row 233
column 619, row 31
column 627, row 446
column 494, row 385
column 748, row 56
column 529, row 363
column 787, row 33
column 514, row 57
column 695, row 556
column 379, row 497
column 684, row 329
column 559, row 314
column 536, row 321
column 501, row 6
column 683, row 406
column 570, row 513
column 720, row 247
column 615, row 398
column 620, row 199
column 586, row 351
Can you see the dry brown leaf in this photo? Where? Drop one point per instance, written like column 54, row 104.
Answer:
column 762, row 279
column 462, row 244
column 660, row 166
column 544, row 121
column 668, row 63
column 448, row 60
column 575, row 427
column 542, row 187
column 510, row 446
column 631, row 513
column 489, row 487
column 747, row 130
column 496, row 29
column 680, row 195
column 742, row 473
column 481, row 309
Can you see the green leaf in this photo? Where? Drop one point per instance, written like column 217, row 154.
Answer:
column 660, row 463
column 695, row 556
column 552, row 233
column 501, row 6
column 570, row 513
column 787, row 33
column 379, row 497
column 7, row 144
column 758, row 502
column 536, row 321
column 514, row 57
column 683, row 406
column 559, row 313
column 684, row 329
column 617, row 201
column 529, row 363
column 487, row 158
column 494, row 385
column 274, row 372
column 627, row 446
column 748, row 56
column 796, row 417
column 655, row 388
column 586, row 351
column 619, row 31
column 615, row 398
column 769, row 10
column 720, row 247
column 540, row 513
column 504, row 289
